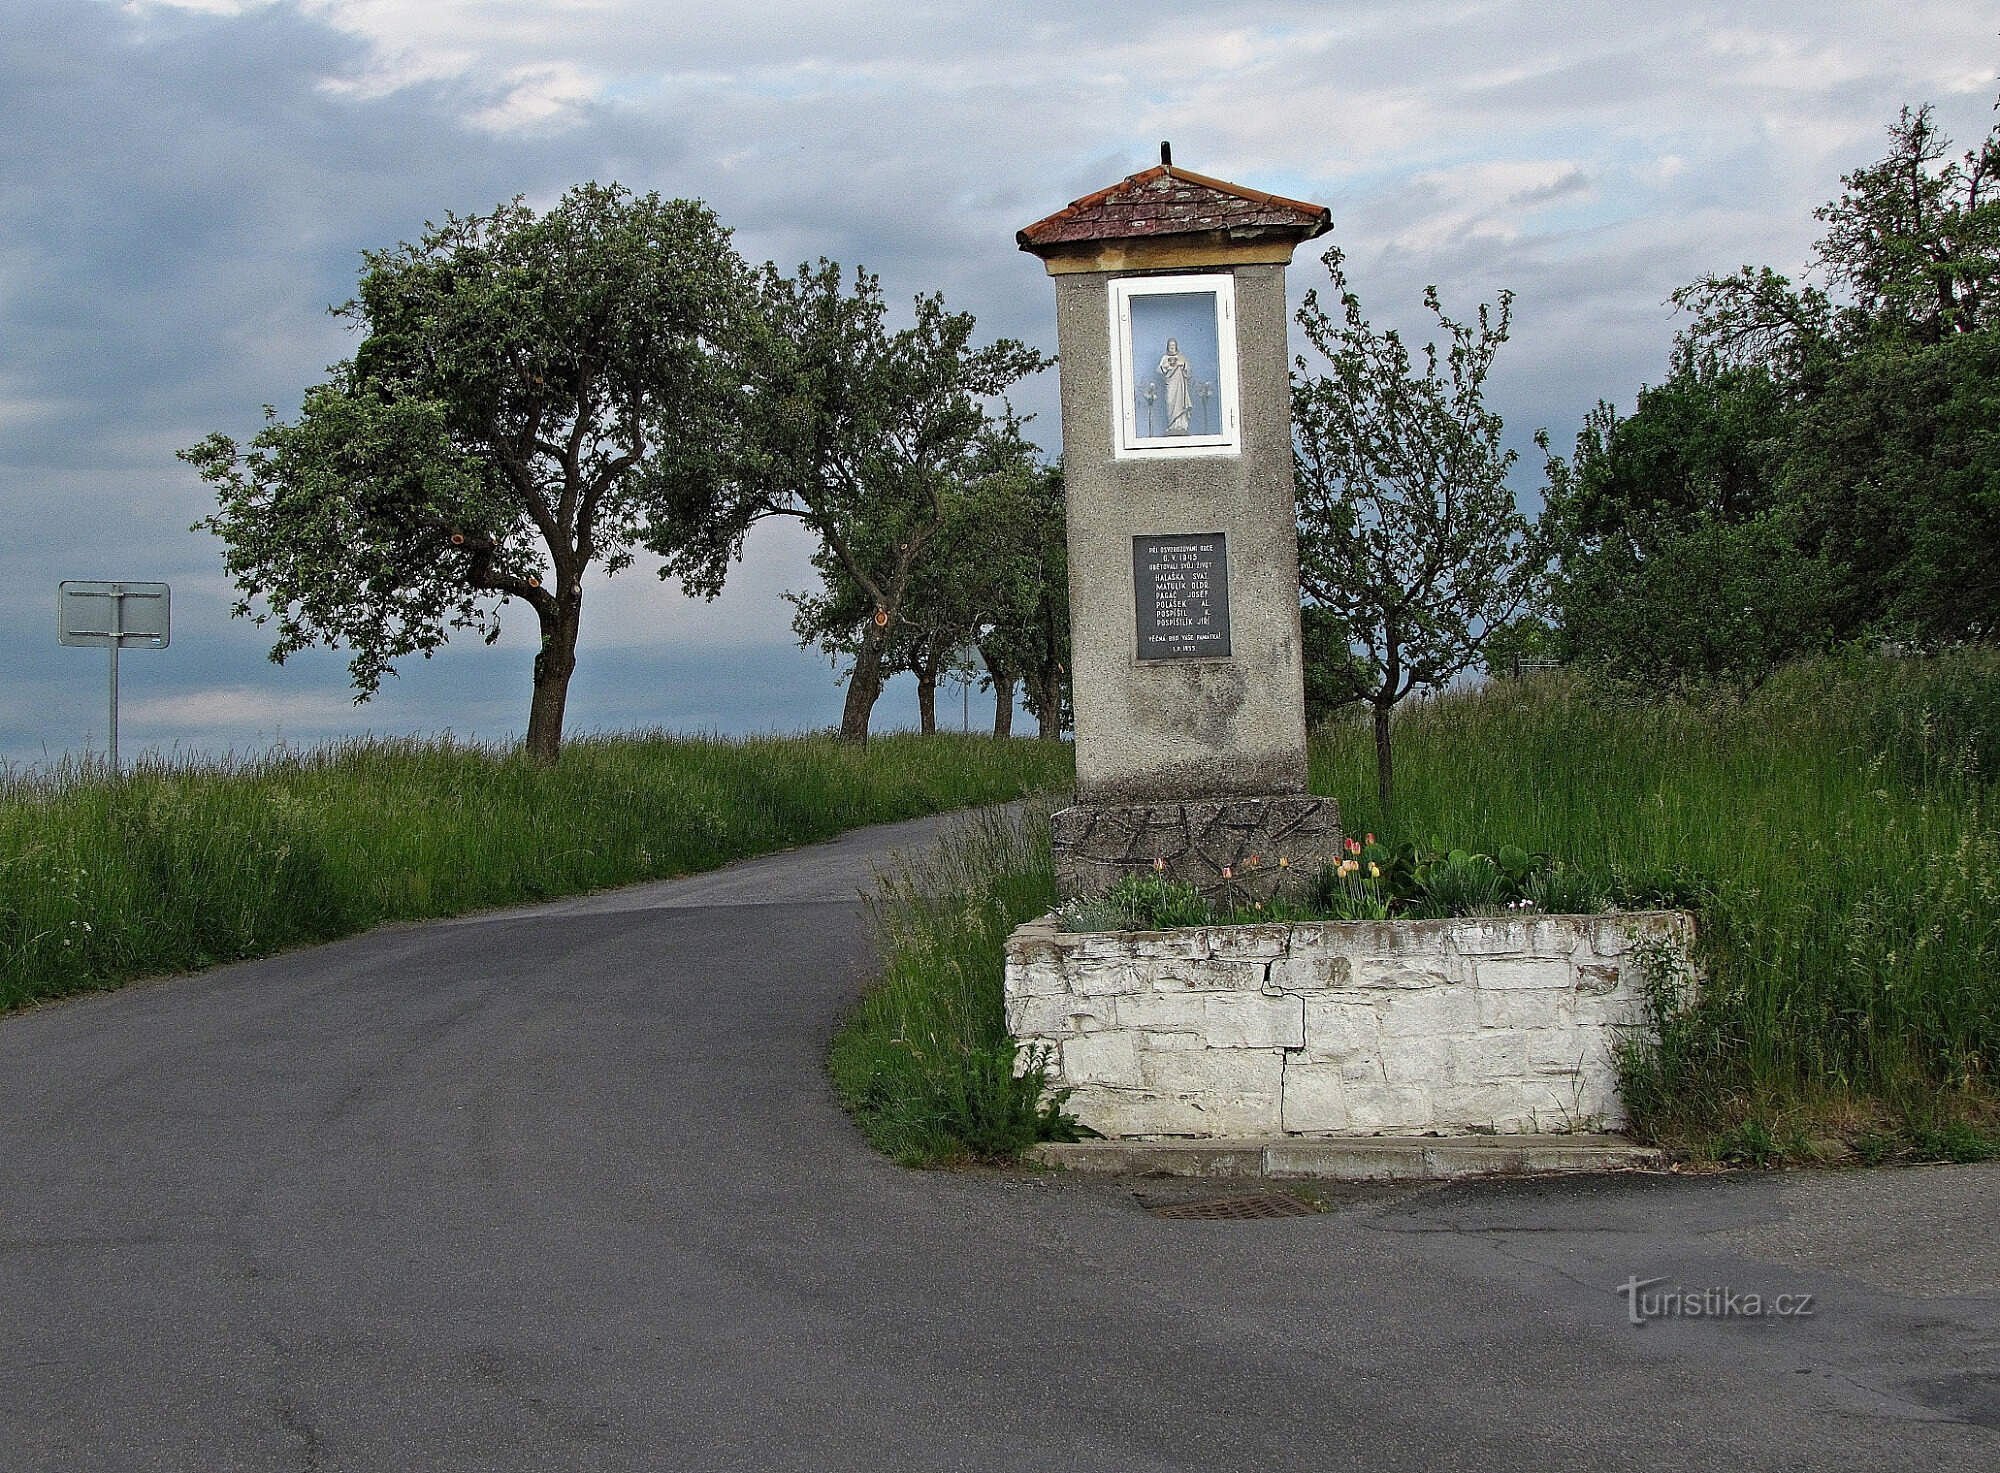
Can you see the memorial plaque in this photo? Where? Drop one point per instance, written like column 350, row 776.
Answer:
column 1182, row 586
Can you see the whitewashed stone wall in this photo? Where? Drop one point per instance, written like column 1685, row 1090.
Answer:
column 1338, row 1027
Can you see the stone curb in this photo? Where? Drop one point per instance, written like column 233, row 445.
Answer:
column 1372, row 1158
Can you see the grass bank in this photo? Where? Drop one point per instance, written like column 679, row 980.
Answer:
column 180, row 866
column 924, row 1062
column 1838, row 835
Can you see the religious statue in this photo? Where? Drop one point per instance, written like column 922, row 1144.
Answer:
column 1176, row 373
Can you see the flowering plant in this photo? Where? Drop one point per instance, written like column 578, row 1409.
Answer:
column 1354, row 888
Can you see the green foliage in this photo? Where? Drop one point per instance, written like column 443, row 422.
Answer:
column 1893, row 465
column 992, row 585
column 1836, row 833
column 1409, row 537
column 1024, row 630
column 184, row 866
column 1822, row 464
column 1141, row 903
column 1563, row 889
column 523, row 386
column 1373, row 883
column 924, row 1061
column 1520, row 642
column 1747, row 1143
column 1680, row 569
column 865, row 435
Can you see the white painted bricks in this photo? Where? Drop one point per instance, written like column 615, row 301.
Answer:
column 1339, row 1028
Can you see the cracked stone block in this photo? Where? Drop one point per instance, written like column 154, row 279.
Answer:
column 1492, row 938
column 1055, row 1017
column 1415, row 1058
column 1105, row 978
column 1312, row 971
column 1235, row 1021
column 1162, row 1012
column 1398, row 976
column 1438, row 1013
column 1038, row 978
column 1101, row 1058
column 1539, row 1009
column 1336, row 1026
column 1265, row 944
column 1565, row 1050
column 1210, row 976
column 1314, row 1099
column 1488, row 1055
column 1386, row 1109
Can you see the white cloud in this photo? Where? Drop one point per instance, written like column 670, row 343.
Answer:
column 235, row 706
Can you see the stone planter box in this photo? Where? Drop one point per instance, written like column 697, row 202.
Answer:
column 1332, row 1028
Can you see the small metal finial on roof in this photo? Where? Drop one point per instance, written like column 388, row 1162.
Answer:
column 1166, row 154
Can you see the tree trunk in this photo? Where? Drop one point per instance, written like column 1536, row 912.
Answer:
column 554, row 665
column 1385, row 764
column 1045, row 700
column 864, row 685
column 1003, row 706
column 927, row 699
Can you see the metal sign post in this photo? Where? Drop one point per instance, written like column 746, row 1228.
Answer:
column 110, row 614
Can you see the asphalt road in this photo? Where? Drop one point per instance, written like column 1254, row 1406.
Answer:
column 565, row 1188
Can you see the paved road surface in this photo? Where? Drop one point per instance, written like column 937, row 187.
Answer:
column 564, row 1188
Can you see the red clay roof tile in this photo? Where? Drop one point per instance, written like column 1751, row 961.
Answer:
column 1164, row 200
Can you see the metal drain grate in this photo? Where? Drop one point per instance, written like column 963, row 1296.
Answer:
column 1245, row 1208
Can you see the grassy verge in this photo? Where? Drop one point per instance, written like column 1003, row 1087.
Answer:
column 1837, row 833
column 924, row 1062
column 184, row 866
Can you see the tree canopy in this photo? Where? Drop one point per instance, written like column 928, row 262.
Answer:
column 1821, row 463
column 991, row 588
column 515, row 414
column 864, row 434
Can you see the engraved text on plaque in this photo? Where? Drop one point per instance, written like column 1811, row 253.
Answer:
column 1182, row 587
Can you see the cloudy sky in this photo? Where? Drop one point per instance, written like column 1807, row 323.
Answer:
column 187, row 185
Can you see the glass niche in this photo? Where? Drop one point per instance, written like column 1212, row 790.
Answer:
column 1173, row 355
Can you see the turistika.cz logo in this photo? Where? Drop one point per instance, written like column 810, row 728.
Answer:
column 1644, row 1301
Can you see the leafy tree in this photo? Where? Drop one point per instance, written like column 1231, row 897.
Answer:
column 982, row 586
column 1025, row 636
column 1912, row 249
column 861, row 433
column 508, row 421
column 1893, row 468
column 1679, row 565
column 1410, row 539
column 1820, row 464
column 1334, row 677
column 1523, row 640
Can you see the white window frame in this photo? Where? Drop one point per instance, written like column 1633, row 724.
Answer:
column 1126, row 440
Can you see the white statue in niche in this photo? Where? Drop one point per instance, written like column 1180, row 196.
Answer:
column 1176, row 373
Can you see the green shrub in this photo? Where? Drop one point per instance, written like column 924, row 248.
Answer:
column 1461, row 884
column 1564, row 889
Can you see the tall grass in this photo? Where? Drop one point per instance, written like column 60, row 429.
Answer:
column 182, row 865
column 1836, row 832
column 924, row 1062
